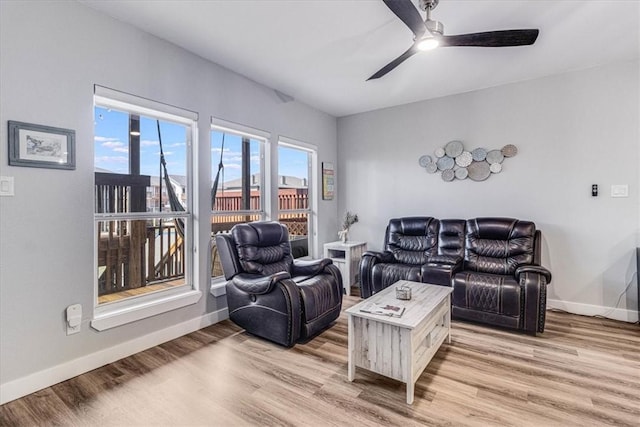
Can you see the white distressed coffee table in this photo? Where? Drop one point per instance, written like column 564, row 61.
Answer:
column 400, row 348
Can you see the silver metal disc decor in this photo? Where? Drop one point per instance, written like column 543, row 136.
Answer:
column 479, row 171
column 479, row 154
column 425, row 160
column 445, row 163
column 456, row 163
column 509, row 150
column 448, row 175
column 464, row 159
column 454, row 149
column 494, row 156
column 462, row 173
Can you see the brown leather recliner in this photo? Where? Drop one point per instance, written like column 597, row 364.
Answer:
column 270, row 294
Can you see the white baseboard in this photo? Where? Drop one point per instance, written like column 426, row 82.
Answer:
column 594, row 310
column 37, row 381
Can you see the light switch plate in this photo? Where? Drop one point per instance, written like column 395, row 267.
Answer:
column 6, row 186
column 620, row 190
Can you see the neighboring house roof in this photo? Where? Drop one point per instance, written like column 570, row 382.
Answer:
column 284, row 181
column 177, row 181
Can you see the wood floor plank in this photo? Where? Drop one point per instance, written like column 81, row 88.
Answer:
column 582, row 371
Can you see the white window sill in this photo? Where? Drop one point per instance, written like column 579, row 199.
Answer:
column 218, row 288
column 118, row 315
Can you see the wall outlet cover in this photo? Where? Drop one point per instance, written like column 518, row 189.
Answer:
column 74, row 319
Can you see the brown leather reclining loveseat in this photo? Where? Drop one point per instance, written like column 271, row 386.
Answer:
column 493, row 265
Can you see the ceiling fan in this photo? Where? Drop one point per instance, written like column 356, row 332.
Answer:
column 428, row 34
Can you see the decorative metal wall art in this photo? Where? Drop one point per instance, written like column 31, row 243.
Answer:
column 454, row 162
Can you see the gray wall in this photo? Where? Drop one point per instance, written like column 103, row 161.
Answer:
column 52, row 53
column 571, row 130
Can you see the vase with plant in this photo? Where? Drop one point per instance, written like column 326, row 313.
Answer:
column 349, row 220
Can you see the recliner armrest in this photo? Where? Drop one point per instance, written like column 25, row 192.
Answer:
column 385, row 256
column 445, row 259
column 533, row 269
column 257, row 284
column 440, row 272
column 309, row 268
column 367, row 262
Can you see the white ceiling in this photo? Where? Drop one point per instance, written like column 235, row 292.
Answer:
column 321, row 52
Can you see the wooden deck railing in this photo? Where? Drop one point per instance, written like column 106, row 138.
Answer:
column 137, row 253
column 132, row 254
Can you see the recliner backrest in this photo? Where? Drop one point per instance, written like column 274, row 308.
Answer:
column 451, row 237
column 412, row 240
column 263, row 247
column 498, row 245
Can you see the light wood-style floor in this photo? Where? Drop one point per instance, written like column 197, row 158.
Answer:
column 581, row 371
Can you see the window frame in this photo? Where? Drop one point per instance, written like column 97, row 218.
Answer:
column 312, row 190
column 109, row 315
column 228, row 127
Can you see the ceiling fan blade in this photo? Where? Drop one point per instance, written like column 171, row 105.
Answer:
column 393, row 64
column 408, row 14
column 492, row 39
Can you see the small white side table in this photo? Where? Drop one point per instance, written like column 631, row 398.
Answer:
column 346, row 256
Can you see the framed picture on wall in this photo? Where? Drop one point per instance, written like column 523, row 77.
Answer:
column 328, row 181
column 40, row 146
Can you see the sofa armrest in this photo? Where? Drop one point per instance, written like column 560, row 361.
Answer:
column 536, row 269
column 309, row 268
column 385, row 256
column 445, row 259
column 440, row 272
column 533, row 282
column 257, row 284
column 367, row 262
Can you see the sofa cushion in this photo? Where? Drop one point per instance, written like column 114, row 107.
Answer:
column 493, row 293
column 387, row 274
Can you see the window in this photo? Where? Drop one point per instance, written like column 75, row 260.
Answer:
column 295, row 201
column 237, row 180
column 144, row 226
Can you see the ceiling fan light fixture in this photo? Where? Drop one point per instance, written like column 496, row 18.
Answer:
column 428, row 43
column 428, row 34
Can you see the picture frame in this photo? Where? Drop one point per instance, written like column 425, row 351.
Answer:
column 328, row 181
column 39, row 146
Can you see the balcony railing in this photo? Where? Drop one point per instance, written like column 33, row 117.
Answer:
column 133, row 253
column 137, row 253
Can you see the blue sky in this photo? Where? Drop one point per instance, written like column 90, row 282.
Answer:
column 112, row 148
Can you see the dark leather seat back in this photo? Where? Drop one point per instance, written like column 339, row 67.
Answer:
column 451, row 237
column 264, row 248
column 412, row 240
column 498, row 245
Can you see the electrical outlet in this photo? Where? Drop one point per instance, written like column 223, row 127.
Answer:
column 74, row 319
